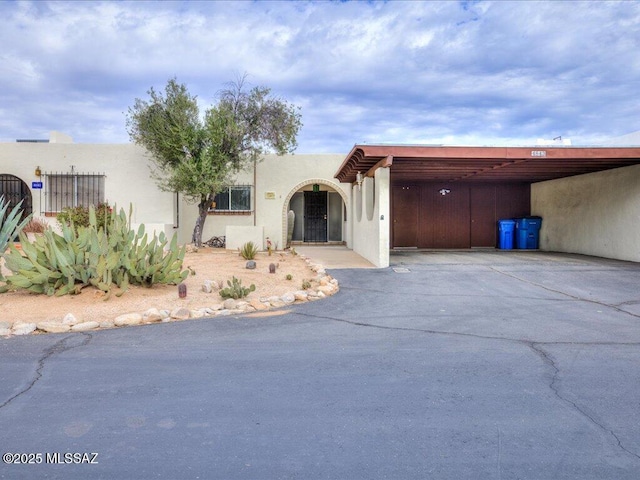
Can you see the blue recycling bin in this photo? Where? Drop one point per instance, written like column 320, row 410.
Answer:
column 506, row 229
column 528, row 232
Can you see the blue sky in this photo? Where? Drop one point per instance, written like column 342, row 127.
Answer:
column 406, row 72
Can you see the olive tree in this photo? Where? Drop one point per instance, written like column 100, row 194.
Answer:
column 198, row 156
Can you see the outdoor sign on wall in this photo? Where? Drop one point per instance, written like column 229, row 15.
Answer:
column 36, row 185
column 270, row 195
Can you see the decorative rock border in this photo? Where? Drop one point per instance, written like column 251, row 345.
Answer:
column 322, row 286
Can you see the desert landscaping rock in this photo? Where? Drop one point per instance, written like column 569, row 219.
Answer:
column 180, row 313
column 301, row 295
column 209, row 286
column 229, row 304
column 85, row 326
column 152, row 315
column 288, row 298
column 53, row 327
column 128, row 319
column 258, row 305
column 70, row 319
column 326, row 289
column 4, row 324
column 251, row 265
column 23, row 328
column 4, row 331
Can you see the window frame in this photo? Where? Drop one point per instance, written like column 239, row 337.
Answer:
column 69, row 190
column 231, row 211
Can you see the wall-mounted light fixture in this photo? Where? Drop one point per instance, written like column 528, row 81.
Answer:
column 359, row 180
column 38, row 171
column 444, row 191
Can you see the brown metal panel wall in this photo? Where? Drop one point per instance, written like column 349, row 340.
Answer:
column 451, row 216
column 464, row 217
column 513, row 200
column 483, row 215
column 444, row 220
column 405, row 201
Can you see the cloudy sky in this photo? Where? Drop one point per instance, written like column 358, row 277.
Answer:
column 468, row 72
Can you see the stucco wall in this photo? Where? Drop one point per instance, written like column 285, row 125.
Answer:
column 594, row 214
column 125, row 165
column 279, row 177
column 128, row 180
column 370, row 218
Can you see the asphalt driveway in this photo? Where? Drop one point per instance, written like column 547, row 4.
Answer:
column 456, row 365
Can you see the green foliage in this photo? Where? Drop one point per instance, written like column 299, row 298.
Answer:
column 235, row 289
column 12, row 224
column 83, row 256
column 248, row 251
column 306, row 284
column 289, row 276
column 79, row 216
column 198, row 155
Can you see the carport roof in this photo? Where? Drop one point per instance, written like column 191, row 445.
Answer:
column 483, row 164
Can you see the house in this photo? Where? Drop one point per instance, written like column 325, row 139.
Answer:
column 376, row 199
column 57, row 173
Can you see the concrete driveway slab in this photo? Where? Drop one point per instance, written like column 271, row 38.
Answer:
column 451, row 370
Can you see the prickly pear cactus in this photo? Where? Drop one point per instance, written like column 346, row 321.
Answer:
column 61, row 264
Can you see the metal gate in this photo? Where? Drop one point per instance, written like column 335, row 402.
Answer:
column 315, row 216
column 15, row 191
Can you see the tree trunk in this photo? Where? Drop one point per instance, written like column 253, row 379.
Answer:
column 203, row 210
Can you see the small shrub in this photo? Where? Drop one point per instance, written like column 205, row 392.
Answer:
column 306, row 284
column 35, row 225
column 235, row 289
column 289, row 276
column 79, row 216
column 248, row 251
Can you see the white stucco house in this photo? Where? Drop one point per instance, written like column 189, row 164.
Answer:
column 376, row 199
column 50, row 175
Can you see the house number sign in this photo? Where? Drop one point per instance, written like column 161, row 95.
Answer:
column 538, row 153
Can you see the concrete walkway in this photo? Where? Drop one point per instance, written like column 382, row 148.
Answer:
column 334, row 257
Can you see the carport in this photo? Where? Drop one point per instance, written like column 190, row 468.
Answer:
column 452, row 196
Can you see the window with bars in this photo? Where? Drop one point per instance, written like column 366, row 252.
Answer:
column 64, row 190
column 236, row 198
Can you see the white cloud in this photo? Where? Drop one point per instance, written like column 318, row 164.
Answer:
column 385, row 72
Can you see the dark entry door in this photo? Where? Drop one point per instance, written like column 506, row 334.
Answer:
column 315, row 216
column 406, row 203
column 483, row 216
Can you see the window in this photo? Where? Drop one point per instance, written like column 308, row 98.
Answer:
column 236, row 198
column 72, row 190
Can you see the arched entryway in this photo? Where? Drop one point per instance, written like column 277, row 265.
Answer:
column 15, row 191
column 320, row 214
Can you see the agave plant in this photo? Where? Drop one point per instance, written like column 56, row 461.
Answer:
column 12, row 223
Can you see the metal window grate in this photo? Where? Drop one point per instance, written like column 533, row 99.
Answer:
column 74, row 189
